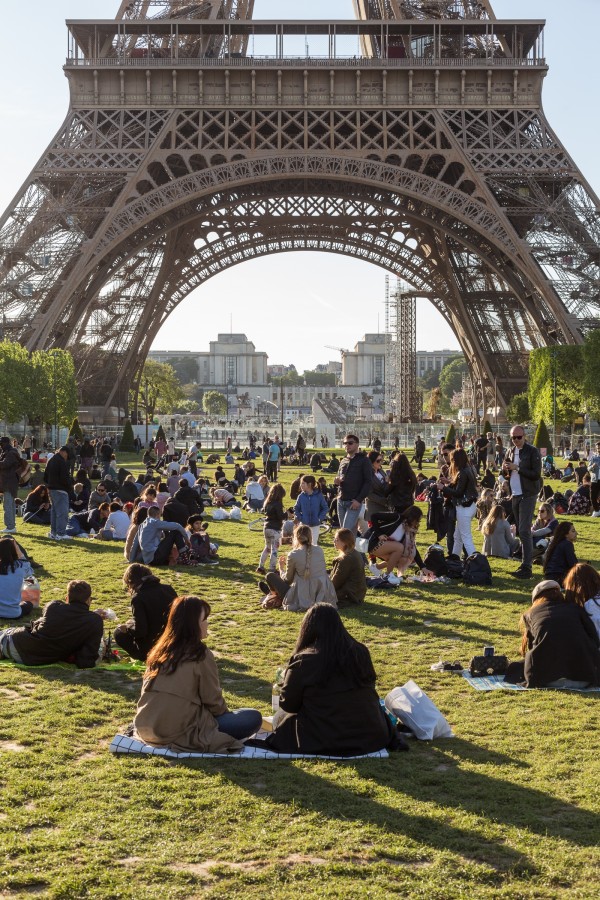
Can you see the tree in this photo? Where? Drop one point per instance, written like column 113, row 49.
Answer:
column 160, row 434
column 186, row 368
column 159, row 389
column 451, row 435
column 126, row 444
column 430, row 380
column 517, row 409
column 451, row 377
column 568, row 365
column 487, row 427
column 75, row 430
column 591, row 378
column 214, row 403
column 318, row 379
column 14, row 379
column 55, row 389
column 542, row 438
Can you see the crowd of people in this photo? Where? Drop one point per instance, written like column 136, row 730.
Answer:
column 328, row 702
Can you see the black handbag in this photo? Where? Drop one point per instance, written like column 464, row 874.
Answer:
column 482, row 666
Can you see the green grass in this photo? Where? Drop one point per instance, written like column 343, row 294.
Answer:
column 508, row 809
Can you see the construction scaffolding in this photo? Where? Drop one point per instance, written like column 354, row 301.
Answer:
column 401, row 395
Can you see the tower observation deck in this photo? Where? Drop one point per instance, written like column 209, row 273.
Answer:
column 197, row 138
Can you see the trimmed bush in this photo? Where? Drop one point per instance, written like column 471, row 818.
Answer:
column 451, row 435
column 160, row 434
column 127, row 445
column 487, row 427
column 542, row 438
column 75, row 430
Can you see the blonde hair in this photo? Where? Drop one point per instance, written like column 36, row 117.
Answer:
column 489, row 523
column 346, row 538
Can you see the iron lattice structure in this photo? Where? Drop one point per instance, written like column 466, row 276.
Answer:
column 181, row 155
column 401, row 395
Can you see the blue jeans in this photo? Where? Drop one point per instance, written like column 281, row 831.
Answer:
column 74, row 527
column 523, row 509
column 240, row 723
column 9, row 510
column 348, row 517
column 59, row 512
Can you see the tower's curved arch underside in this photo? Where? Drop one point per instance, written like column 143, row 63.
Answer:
column 166, row 242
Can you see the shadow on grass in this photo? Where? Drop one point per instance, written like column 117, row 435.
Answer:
column 380, row 615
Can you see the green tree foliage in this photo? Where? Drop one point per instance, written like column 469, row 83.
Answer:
column 186, row 368
column 517, row 409
column 591, row 379
column 569, row 362
column 75, row 430
column 451, row 435
column 318, row 379
column 542, row 438
column 28, row 382
column 214, row 403
column 487, row 427
column 451, row 377
column 430, row 380
column 159, row 390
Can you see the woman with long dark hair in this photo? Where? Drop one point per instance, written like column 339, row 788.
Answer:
column 463, row 493
column 396, row 544
column 560, row 555
column 402, row 484
column 37, row 506
column 182, row 705
column 328, row 698
column 582, row 586
column 13, row 569
column 376, row 500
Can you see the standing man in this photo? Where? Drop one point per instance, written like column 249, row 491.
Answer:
column 419, row 451
column 105, row 456
column 354, row 483
column 10, row 461
column 273, row 460
column 480, row 452
column 27, row 442
column 523, row 466
column 59, row 484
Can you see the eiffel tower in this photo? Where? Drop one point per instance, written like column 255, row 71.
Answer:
column 183, row 153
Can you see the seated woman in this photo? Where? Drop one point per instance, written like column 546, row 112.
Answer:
column 150, row 605
column 348, row 570
column 498, row 539
column 396, row 544
column 37, row 506
column 580, row 501
column 560, row 555
column 560, row 643
column 484, row 506
column 201, row 549
column 13, row 569
column 582, row 586
column 137, row 517
column 328, row 700
column 305, row 581
column 181, row 705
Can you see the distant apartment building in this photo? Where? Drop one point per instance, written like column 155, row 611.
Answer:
column 428, row 360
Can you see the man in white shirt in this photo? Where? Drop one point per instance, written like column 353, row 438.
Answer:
column 523, row 467
column 185, row 473
column 117, row 524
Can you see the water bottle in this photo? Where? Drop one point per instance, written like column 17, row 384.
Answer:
column 30, row 590
column 275, row 690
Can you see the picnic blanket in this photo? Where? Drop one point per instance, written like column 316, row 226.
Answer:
column 129, row 745
column 132, row 666
column 497, row 683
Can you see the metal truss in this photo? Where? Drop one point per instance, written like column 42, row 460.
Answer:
column 449, row 178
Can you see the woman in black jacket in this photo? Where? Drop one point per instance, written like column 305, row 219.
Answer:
column 560, row 555
column 150, row 605
column 560, row 643
column 463, row 492
column 275, row 515
column 37, row 506
column 402, row 483
column 328, row 700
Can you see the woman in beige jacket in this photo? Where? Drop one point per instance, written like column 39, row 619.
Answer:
column 182, row 706
column 305, row 581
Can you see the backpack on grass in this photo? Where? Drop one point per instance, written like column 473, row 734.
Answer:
column 435, row 561
column 477, row 570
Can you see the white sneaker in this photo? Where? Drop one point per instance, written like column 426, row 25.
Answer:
column 51, row 535
column 394, row 579
column 8, row 531
column 62, row 537
column 377, row 573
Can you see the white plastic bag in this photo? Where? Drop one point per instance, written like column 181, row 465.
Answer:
column 219, row 514
column 415, row 710
column 361, row 544
column 235, row 514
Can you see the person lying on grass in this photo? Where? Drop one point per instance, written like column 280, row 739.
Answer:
column 560, row 642
column 328, row 700
column 150, row 605
column 66, row 632
column 182, row 705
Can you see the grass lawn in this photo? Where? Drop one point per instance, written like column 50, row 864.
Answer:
column 508, row 809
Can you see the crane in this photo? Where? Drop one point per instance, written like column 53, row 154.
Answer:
column 341, row 350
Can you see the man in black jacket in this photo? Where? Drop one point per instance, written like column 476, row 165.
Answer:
column 189, row 497
column 10, row 459
column 66, row 632
column 150, row 605
column 354, row 483
column 523, row 467
column 59, row 484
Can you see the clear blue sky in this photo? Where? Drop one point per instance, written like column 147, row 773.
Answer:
column 340, row 299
